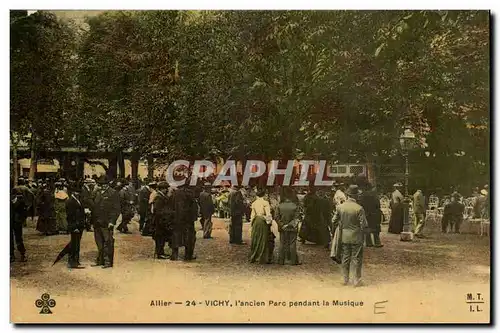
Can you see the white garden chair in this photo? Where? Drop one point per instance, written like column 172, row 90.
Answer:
column 432, row 211
column 433, row 202
column 469, row 208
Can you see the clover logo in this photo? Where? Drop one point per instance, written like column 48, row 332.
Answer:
column 45, row 303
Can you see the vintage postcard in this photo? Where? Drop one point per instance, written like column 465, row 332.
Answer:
column 250, row 166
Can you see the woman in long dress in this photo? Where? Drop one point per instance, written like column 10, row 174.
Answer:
column 261, row 219
column 46, row 219
column 397, row 211
column 61, row 196
column 314, row 227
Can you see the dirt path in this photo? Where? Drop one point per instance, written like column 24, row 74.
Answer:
column 423, row 281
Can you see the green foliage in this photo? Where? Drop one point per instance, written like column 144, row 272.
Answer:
column 41, row 83
column 340, row 85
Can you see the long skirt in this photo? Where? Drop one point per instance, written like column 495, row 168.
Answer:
column 60, row 209
column 314, row 231
column 259, row 248
column 396, row 221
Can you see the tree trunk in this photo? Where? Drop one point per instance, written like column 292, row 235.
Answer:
column 112, row 169
column 15, row 163
column 150, row 168
column 66, row 167
column 121, row 164
column 370, row 171
column 134, row 161
column 33, row 160
column 80, row 168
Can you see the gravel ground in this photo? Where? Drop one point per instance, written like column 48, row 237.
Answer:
column 425, row 280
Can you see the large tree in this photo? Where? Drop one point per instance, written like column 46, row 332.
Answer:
column 41, row 85
column 340, row 85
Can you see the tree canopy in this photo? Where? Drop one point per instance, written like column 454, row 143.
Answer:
column 340, row 85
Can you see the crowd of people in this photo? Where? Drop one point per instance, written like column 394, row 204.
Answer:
column 454, row 209
column 344, row 219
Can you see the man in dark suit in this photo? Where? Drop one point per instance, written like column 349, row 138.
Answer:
column 352, row 220
column 75, row 215
column 87, row 198
column 127, row 207
column 206, row 209
column 371, row 204
column 453, row 214
column 17, row 217
column 163, row 214
column 287, row 217
column 237, row 206
column 144, row 194
column 29, row 197
column 106, row 212
column 183, row 231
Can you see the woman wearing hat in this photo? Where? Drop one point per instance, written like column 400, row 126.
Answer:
column 397, row 211
column 261, row 220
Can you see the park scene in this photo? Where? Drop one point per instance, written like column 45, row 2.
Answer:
column 250, row 166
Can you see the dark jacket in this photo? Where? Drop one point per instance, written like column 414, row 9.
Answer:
column 287, row 214
column 186, row 208
column 126, row 201
column 453, row 212
column 163, row 212
column 371, row 206
column 29, row 197
column 237, row 203
column 185, row 213
column 87, row 196
column 17, row 208
column 75, row 214
column 206, row 204
column 45, row 203
column 106, row 207
column 144, row 194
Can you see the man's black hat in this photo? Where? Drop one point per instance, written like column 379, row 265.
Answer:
column 353, row 190
column 162, row 185
column 102, row 180
column 74, row 187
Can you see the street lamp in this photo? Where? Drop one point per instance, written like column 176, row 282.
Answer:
column 406, row 140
